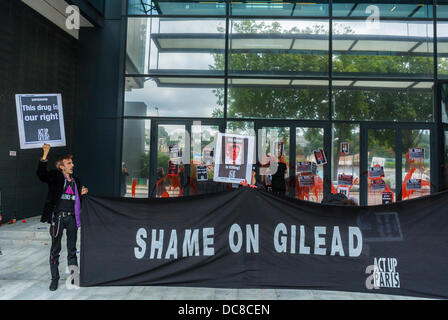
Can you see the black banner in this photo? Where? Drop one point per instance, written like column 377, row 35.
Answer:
column 247, row 238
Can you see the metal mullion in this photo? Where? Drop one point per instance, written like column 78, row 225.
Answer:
column 174, row 17
column 292, row 161
column 398, row 164
column 384, row 18
column 363, row 149
column 247, row 17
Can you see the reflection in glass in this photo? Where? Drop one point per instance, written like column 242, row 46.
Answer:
column 308, row 140
column 171, row 180
column 180, row 7
column 173, row 97
column 381, row 153
column 278, row 47
column 445, row 162
column 277, row 8
column 444, row 102
column 387, row 48
column 415, row 168
column 442, row 8
column 381, row 103
column 167, row 45
column 276, row 101
column 135, row 158
column 345, row 163
column 383, row 9
column 442, row 49
column 274, row 171
column 203, row 147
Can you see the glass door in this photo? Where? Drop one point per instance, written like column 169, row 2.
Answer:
column 182, row 162
column 396, row 160
column 171, row 159
column 309, row 181
column 291, row 146
column 381, row 164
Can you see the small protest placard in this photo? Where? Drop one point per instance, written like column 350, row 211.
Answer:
column 376, row 172
column 175, row 153
column 386, row 197
column 306, row 181
column 417, row 153
column 201, row 173
column 345, row 148
column 344, row 190
column 345, row 179
column 378, row 184
column 414, row 184
column 320, row 156
column 173, row 168
column 208, row 154
column 306, row 167
column 40, row 120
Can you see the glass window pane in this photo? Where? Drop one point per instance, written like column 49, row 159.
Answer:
column 387, row 49
column 135, row 158
column 445, row 162
column 276, row 102
column 346, row 163
column 415, row 167
column 365, row 102
column 174, row 97
column 442, row 8
column 245, row 128
column 383, row 9
column 442, row 49
column 444, row 102
column 171, row 183
column 308, row 140
column 278, row 47
column 203, row 147
column 179, row 7
column 381, row 153
column 271, row 175
column 279, row 8
column 167, row 45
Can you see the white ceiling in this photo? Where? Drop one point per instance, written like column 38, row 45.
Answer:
column 54, row 10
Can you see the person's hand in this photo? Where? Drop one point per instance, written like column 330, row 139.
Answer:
column 46, row 149
column 243, row 183
column 84, row 191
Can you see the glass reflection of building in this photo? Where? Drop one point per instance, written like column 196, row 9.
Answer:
column 364, row 72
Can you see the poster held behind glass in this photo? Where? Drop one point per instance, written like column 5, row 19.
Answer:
column 233, row 158
column 40, row 120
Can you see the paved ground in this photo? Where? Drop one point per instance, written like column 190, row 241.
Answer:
column 25, row 275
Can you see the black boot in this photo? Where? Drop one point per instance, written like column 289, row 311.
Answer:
column 54, row 285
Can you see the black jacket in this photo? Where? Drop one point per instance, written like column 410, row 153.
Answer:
column 55, row 180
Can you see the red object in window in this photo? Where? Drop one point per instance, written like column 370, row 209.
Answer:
column 134, row 184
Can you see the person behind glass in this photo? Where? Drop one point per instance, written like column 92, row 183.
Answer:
column 62, row 209
column 278, row 178
column 124, row 173
column 255, row 180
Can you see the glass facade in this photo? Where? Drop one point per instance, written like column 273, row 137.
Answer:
column 321, row 73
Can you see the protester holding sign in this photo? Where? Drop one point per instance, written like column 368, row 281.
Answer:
column 62, row 209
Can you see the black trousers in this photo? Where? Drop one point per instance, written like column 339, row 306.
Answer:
column 56, row 230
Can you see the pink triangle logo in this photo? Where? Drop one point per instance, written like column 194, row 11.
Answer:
column 69, row 190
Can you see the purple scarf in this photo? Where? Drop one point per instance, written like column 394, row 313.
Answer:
column 77, row 205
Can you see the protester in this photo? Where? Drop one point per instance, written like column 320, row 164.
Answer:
column 278, row 178
column 123, row 175
column 62, row 209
